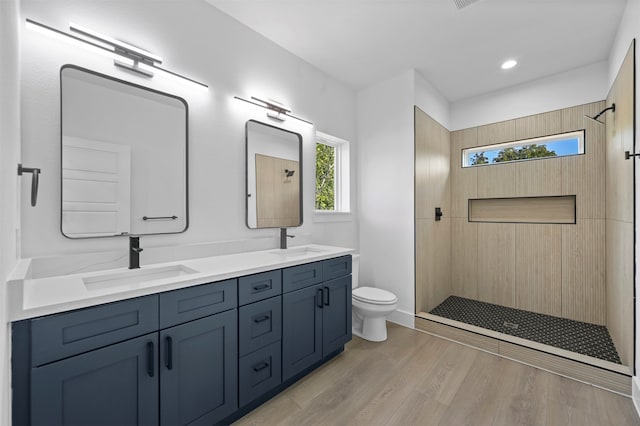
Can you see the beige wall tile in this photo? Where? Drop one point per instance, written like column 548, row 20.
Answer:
column 496, row 263
column 539, row 268
column 464, row 258
column 583, row 271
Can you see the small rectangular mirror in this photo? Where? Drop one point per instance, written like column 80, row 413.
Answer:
column 124, row 157
column 274, row 176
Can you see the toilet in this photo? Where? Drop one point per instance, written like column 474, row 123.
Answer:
column 371, row 306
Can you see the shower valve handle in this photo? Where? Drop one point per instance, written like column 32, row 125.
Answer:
column 628, row 155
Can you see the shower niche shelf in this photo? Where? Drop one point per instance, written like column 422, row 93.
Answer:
column 553, row 209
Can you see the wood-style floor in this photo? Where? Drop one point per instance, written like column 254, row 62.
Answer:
column 417, row 379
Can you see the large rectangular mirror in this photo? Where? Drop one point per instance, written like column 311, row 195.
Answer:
column 274, row 176
column 124, row 157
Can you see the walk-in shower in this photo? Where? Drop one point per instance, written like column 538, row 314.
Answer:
column 533, row 259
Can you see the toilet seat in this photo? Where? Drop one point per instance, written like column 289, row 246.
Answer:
column 375, row 296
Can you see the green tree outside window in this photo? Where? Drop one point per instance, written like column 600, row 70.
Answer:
column 325, row 177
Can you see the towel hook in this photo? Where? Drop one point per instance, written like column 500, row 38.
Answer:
column 34, row 181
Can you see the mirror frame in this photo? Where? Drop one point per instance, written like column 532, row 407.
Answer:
column 186, row 150
column 246, row 173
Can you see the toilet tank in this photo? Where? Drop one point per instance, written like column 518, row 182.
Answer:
column 355, row 269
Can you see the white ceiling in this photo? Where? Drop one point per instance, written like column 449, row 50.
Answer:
column 362, row 42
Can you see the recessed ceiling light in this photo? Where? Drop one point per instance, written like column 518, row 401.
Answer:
column 509, row 64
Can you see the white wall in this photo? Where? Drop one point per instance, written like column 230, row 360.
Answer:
column 574, row 87
column 199, row 41
column 386, row 176
column 9, row 157
column 628, row 30
column 385, row 193
column 430, row 100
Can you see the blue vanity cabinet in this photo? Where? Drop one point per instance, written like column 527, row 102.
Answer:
column 259, row 335
column 93, row 366
column 164, row 359
column 316, row 319
column 116, row 385
column 198, row 370
column 301, row 330
column 200, row 355
column 336, row 314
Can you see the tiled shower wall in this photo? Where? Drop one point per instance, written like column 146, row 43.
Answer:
column 547, row 268
column 619, row 210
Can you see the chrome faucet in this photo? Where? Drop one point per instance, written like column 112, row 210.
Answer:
column 134, row 252
column 283, row 238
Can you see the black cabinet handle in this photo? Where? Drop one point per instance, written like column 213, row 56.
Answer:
column 261, row 318
column 169, row 352
column 261, row 366
column 319, row 298
column 150, row 359
column 261, row 287
column 326, row 299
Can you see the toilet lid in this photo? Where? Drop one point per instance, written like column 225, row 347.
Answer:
column 374, row 295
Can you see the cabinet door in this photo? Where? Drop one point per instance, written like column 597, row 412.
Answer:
column 199, row 368
column 116, row 385
column 336, row 315
column 301, row 330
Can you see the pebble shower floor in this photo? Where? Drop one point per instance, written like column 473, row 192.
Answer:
column 575, row 336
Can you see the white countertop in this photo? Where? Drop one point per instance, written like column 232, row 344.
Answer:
column 31, row 297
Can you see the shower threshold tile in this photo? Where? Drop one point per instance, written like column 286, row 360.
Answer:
column 575, row 336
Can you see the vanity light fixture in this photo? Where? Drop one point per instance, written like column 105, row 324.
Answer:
column 507, row 65
column 125, row 55
column 75, row 40
column 275, row 110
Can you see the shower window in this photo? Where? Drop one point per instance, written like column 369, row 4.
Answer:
column 560, row 145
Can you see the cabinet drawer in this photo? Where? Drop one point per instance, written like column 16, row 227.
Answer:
column 301, row 276
column 336, row 268
column 187, row 304
column 259, row 324
column 62, row 335
column 259, row 372
column 259, row 287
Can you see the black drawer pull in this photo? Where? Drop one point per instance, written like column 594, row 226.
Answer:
column 262, row 318
column 260, row 367
column 261, row 287
column 319, row 298
column 326, row 299
column 150, row 357
column 169, row 352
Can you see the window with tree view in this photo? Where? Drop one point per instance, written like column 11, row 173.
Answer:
column 325, row 177
column 332, row 174
column 530, row 149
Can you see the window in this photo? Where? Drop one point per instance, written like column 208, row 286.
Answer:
column 332, row 174
column 529, row 149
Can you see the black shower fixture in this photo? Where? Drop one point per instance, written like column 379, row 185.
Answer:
column 289, row 172
column 612, row 108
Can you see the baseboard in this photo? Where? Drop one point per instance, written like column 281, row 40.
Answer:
column 406, row 319
column 635, row 393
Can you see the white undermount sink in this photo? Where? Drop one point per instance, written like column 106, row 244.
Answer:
column 298, row 251
column 135, row 277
